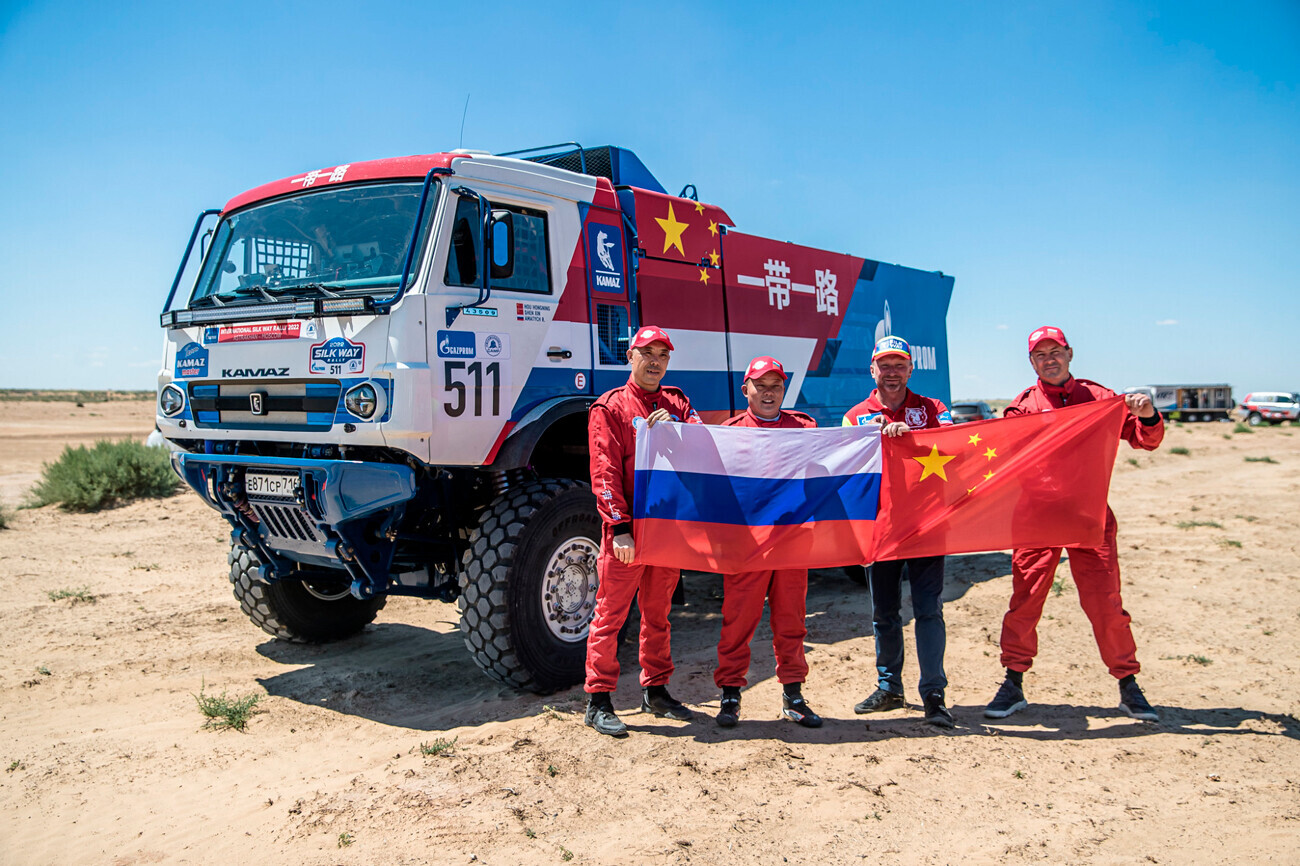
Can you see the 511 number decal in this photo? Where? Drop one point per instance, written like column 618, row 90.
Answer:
column 452, row 373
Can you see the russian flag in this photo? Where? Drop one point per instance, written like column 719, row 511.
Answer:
column 733, row 499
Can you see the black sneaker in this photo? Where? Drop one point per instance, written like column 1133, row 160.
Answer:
column 797, row 710
column 936, row 713
column 729, row 713
column 1133, row 702
column 600, row 715
column 879, row 701
column 1009, row 699
column 656, row 700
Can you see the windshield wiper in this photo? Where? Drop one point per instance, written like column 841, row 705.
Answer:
column 321, row 288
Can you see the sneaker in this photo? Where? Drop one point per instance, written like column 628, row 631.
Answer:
column 729, row 713
column 936, row 713
column 656, row 700
column 1009, row 699
column 879, row 701
column 1133, row 702
column 797, row 710
column 600, row 715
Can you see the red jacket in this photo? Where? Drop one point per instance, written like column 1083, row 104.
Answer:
column 612, row 442
column 917, row 412
column 1144, row 433
column 787, row 418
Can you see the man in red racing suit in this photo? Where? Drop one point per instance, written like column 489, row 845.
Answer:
column 612, row 441
column 1095, row 569
column 785, row 590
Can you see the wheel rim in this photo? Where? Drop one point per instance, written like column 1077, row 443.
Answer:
column 327, row 592
column 569, row 589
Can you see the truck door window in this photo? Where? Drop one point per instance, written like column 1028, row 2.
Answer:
column 532, row 271
column 466, row 242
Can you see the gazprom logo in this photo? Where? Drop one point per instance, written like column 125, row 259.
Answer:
column 455, row 344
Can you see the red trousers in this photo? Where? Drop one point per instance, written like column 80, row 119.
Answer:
column 653, row 587
column 1096, row 576
column 786, row 592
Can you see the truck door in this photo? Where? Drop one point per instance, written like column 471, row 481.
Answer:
column 611, row 301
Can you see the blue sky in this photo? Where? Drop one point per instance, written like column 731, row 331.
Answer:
column 1129, row 171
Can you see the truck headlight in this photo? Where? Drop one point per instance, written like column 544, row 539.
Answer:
column 171, row 400
column 362, row 400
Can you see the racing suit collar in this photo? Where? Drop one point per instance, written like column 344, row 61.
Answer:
column 764, row 421
column 1061, row 392
column 641, row 393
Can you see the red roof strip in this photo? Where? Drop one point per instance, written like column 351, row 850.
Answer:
column 375, row 169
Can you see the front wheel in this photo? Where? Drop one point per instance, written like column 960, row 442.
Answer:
column 299, row 611
column 1254, row 419
column 528, row 587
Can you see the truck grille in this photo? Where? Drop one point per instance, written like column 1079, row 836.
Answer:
column 299, row 405
column 287, row 522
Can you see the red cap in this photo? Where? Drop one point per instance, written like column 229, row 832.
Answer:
column 651, row 334
column 764, row 364
column 1047, row 332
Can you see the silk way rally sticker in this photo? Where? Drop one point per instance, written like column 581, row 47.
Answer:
column 338, row 356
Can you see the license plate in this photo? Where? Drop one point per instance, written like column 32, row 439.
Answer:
column 274, row 486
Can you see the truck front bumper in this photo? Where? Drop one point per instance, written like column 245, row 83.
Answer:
column 343, row 514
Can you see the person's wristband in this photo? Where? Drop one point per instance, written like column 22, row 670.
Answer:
column 621, row 529
column 1152, row 421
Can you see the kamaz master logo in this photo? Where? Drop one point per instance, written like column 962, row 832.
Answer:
column 254, row 372
column 605, row 258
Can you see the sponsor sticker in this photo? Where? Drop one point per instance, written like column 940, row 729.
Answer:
column 337, row 356
column 605, row 258
column 191, row 362
column 258, row 331
column 915, row 417
column 456, row 344
column 493, row 345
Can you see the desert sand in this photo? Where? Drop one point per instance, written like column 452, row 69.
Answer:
column 107, row 760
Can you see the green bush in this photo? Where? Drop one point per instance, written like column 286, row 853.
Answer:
column 88, row 479
column 4, row 516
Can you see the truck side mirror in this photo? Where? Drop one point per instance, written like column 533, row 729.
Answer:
column 503, row 244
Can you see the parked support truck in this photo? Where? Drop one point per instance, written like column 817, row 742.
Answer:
column 1190, row 402
column 379, row 373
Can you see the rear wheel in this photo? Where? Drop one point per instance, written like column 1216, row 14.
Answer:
column 528, row 588
column 1254, row 419
column 298, row 611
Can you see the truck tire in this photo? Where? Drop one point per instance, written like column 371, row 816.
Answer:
column 528, row 586
column 1254, row 419
column 295, row 611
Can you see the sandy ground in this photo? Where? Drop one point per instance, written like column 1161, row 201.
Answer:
column 106, row 760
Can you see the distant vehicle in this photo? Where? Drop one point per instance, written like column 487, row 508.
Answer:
column 978, row 411
column 1189, row 402
column 1271, row 406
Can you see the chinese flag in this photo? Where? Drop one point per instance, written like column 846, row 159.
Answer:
column 1025, row 481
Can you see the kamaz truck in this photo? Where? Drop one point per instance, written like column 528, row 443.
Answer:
column 379, row 373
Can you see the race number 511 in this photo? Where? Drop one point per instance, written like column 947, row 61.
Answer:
column 461, row 378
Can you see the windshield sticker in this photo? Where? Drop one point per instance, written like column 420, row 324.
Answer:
column 191, row 362
column 338, row 356
column 259, row 331
column 490, row 312
column 530, row 312
column 335, row 175
column 456, row 344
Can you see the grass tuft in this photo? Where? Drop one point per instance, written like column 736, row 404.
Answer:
column 74, row 596
column 346, row 839
column 1058, row 586
column 1192, row 524
column 438, row 747
column 1242, row 428
column 1264, row 459
column 565, row 854
column 552, row 771
column 5, row 516
column 224, row 712
column 108, row 473
column 1197, row 659
column 1228, row 542
column 1132, row 461
column 1180, row 450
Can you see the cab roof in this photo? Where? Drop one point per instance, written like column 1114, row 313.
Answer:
column 397, row 168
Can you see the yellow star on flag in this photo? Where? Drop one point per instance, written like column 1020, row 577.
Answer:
column 672, row 230
column 991, row 453
column 699, row 207
column 933, row 463
column 713, row 228
column 704, row 275
column 714, row 258
column 975, row 439
column 988, row 475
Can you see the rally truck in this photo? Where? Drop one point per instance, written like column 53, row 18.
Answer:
column 379, row 373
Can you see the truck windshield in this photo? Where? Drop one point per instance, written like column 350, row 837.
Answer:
column 347, row 241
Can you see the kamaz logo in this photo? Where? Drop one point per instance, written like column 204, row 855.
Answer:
column 255, row 372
